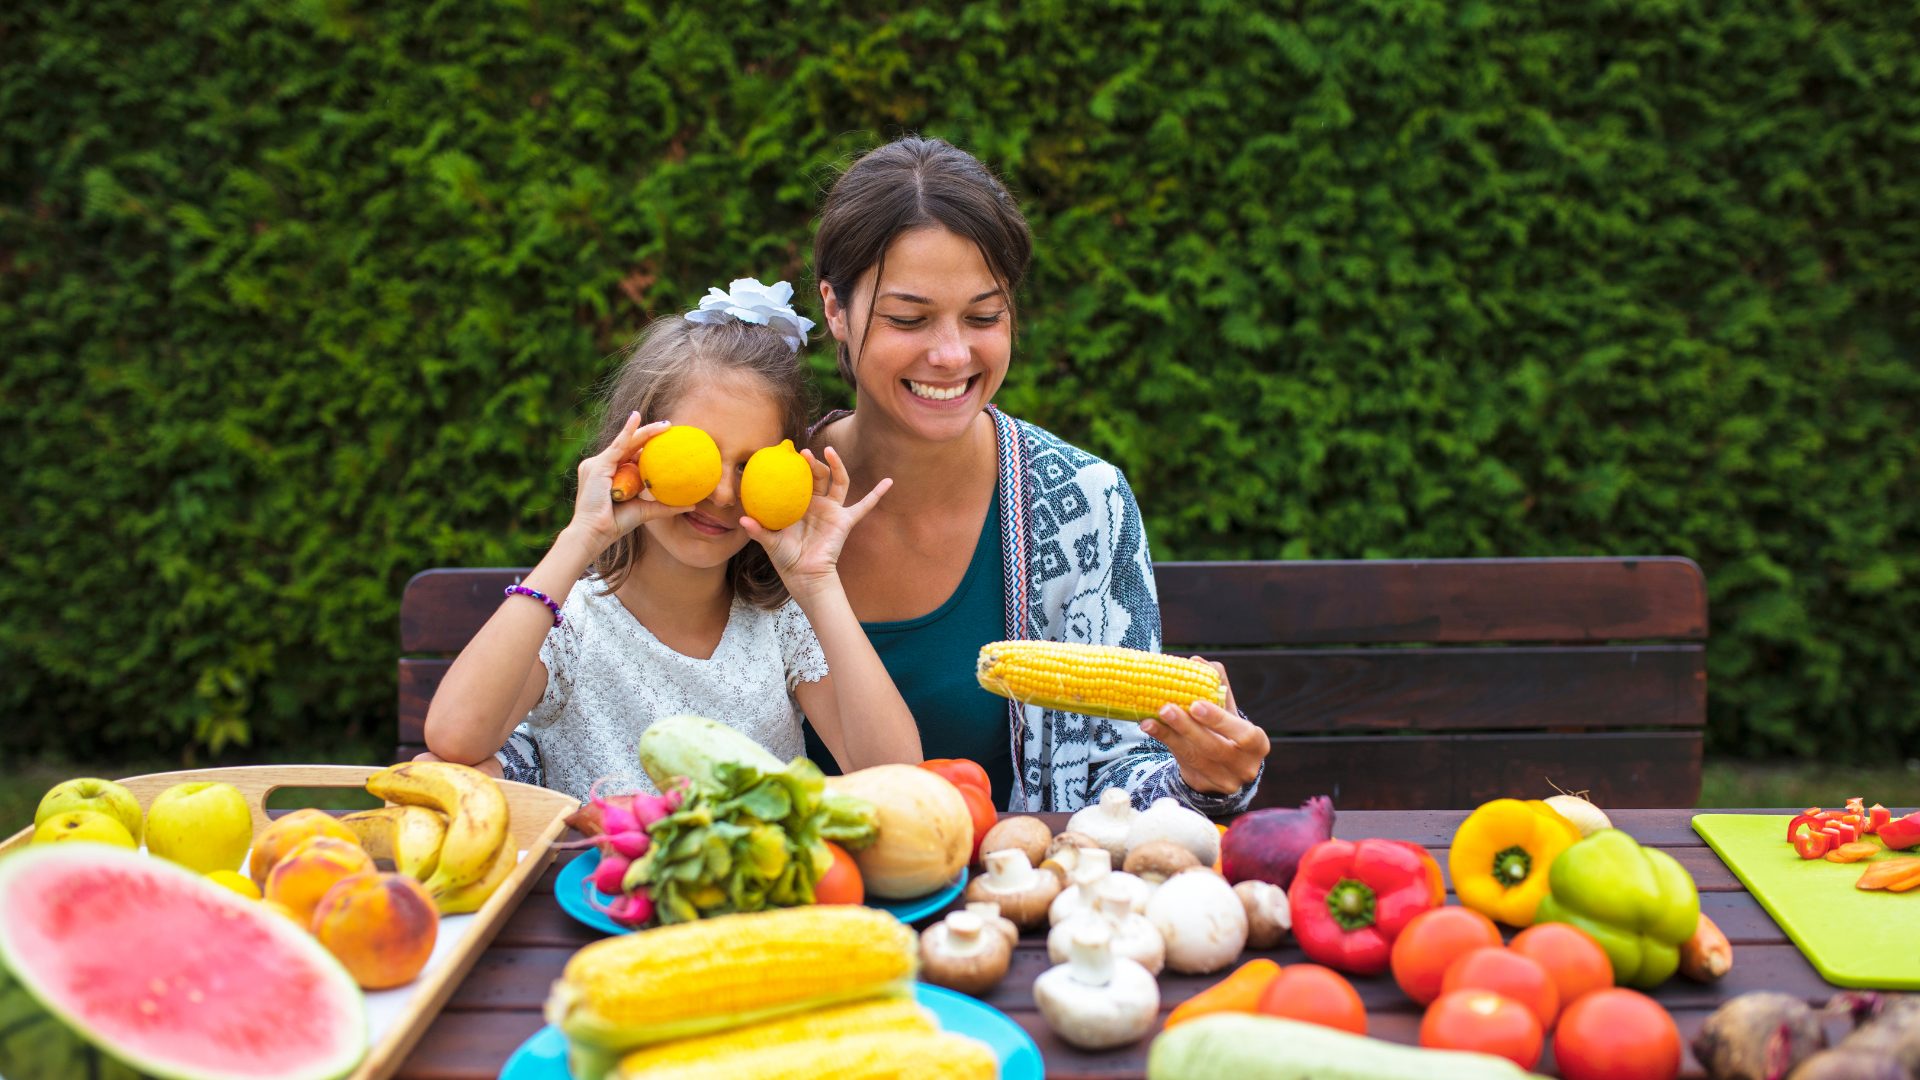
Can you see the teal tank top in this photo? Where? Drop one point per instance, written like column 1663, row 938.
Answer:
column 931, row 660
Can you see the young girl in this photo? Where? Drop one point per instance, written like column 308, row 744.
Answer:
column 681, row 609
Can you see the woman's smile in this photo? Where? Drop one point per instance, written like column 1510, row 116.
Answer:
column 940, row 392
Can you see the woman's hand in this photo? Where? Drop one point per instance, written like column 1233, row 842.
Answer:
column 1219, row 753
column 599, row 520
column 807, row 552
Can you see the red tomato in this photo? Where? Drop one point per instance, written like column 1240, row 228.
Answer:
column 1484, row 1021
column 1617, row 1035
column 1510, row 975
column 980, row 808
column 1316, row 995
column 1574, row 961
column 841, row 883
column 960, row 773
column 1429, row 944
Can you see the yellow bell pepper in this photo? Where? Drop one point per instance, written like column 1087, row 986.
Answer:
column 1500, row 856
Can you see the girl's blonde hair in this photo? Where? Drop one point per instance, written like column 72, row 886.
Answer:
column 668, row 358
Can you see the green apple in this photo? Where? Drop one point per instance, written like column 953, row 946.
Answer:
column 83, row 825
column 99, row 796
column 204, row 826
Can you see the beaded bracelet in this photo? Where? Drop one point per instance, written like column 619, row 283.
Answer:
column 522, row 590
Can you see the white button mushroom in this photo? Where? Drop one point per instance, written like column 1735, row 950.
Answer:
column 1268, row 916
column 1133, row 936
column 1168, row 820
column 1091, row 868
column 961, row 952
column 1201, row 920
column 1022, row 892
column 1096, row 1000
column 1107, row 822
column 990, row 914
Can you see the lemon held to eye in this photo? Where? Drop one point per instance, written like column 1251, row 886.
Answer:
column 777, row 486
column 681, row 465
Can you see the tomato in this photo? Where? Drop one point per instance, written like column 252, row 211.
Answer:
column 841, row 883
column 960, row 773
column 1316, row 995
column 1574, row 961
column 1433, row 941
column 1509, row 974
column 980, row 808
column 1617, row 1035
column 1483, row 1021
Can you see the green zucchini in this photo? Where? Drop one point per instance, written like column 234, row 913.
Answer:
column 1247, row 1047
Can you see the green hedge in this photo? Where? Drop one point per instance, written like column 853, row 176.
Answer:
column 298, row 297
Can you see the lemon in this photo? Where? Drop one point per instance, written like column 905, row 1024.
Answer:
column 681, row 465
column 83, row 825
column 777, row 486
column 236, row 881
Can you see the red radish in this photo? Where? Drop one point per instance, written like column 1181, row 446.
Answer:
column 633, row 909
column 611, row 873
column 630, row 844
column 1266, row 845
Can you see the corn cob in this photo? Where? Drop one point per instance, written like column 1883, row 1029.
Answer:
column 1095, row 680
column 890, row 1055
column 693, row 978
column 890, row 1014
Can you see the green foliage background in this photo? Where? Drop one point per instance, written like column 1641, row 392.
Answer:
column 298, row 297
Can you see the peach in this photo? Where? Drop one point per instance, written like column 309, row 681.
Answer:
column 299, row 880
column 380, row 928
column 286, row 833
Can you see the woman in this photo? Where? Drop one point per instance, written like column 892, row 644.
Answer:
column 994, row 528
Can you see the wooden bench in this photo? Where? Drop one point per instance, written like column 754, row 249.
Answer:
column 1390, row 685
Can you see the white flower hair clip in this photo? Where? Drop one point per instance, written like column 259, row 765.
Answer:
column 750, row 301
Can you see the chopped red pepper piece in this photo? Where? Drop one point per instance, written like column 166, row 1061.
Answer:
column 1857, row 806
column 1842, row 832
column 1811, row 819
column 1901, row 833
column 1813, row 844
column 1877, row 817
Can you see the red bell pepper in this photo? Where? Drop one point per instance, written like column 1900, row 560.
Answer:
column 1351, row 899
column 1843, row 831
column 1813, row 844
column 1901, row 833
column 1878, row 817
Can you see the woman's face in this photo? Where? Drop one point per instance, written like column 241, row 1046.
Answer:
column 935, row 346
column 742, row 417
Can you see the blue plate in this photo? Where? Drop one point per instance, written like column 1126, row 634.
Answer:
column 544, row 1056
column 574, row 884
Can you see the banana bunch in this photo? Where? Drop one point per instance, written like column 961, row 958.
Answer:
column 448, row 829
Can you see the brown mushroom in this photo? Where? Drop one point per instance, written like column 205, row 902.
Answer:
column 962, row 953
column 1029, row 834
column 1157, row 860
column 1268, row 916
column 989, row 913
column 1022, row 892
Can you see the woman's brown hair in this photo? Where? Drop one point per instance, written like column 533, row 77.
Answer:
column 668, row 358
column 915, row 183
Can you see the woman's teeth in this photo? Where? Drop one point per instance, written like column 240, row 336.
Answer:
column 935, row 393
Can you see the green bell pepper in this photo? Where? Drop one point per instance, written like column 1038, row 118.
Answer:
column 1637, row 902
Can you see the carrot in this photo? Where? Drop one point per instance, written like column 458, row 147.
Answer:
column 1881, row 875
column 1853, row 852
column 1906, row 881
column 1706, row 955
column 1238, row 992
column 626, row 481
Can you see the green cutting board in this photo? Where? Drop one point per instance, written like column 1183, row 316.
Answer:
column 1852, row 937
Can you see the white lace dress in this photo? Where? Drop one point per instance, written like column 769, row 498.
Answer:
column 609, row 678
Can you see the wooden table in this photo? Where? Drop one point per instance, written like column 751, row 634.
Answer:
column 498, row 1006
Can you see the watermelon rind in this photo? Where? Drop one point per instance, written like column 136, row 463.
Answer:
column 58, row 1045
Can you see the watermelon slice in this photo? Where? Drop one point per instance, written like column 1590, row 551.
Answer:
column 115, row 964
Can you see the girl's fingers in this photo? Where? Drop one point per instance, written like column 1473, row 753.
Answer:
column 837, row 491
column 637, row 437
column 859, row 510
column 822, row 476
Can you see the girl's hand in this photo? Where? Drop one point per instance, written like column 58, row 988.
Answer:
column 1218, row 752
column 807, row 552
column 596, row 517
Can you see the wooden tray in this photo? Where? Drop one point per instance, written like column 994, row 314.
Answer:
column 537, row 818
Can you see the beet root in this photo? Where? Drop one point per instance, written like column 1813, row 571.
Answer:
column 1888, row 1026
column 1759, row 1036
column 1840, row 1064
column 1266, row 845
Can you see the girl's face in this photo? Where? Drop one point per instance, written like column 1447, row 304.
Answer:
column 742, row 416
column 939, row 338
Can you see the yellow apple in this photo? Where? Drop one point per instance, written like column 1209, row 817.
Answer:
column 99, row 796
column 82, row 825
column 204, row 826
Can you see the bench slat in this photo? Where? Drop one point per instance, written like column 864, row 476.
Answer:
column 1384, row 772
column 1439, row 601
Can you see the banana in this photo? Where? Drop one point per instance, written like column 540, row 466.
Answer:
column 461, row 899
column 469, row 797
column 409, row 835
